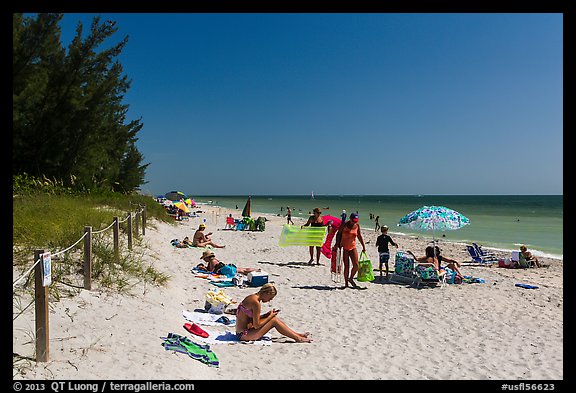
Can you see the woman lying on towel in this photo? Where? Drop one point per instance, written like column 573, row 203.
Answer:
column 186, row 243
column 251, row 325
column 213, row 265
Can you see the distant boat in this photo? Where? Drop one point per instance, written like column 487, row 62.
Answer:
column 312, row 195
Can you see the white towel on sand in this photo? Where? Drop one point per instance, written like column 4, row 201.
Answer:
column 205, row 318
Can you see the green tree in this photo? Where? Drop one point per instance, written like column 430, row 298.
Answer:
column 69, row 118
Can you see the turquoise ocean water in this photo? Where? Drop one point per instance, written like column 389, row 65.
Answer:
column 498, row 221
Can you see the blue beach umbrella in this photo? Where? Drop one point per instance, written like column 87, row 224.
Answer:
column 434, row 218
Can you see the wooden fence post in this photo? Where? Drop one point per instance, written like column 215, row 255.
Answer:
column 42, row 312
column 144, row 221
column 88, row 258
column 136, row 219
column 116, row 228
column 130, row 231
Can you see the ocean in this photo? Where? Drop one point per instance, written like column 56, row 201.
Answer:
column 503, row 222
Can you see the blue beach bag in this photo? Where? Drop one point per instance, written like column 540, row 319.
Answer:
column 228, row 270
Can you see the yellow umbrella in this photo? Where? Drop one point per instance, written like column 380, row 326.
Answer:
column 182, row 206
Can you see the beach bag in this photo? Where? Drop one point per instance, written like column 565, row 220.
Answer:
column 229, row 270
column 365, row 272
column 450, row 276
column 260, row 224
column 216, row 301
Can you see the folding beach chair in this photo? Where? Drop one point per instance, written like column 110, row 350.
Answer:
column 479, row 259
column 230, row 223
column 407, row 271
column 240, row 225
column 520, row 261
column 488, row 255
column 403, row 268
column 426, row 274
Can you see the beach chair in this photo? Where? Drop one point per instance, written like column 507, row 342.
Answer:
column 230, row 223
column 240, row 226
column 403, row 268
column 477, row 258
column 484, row 254
column 426, row 274
column 520, row 261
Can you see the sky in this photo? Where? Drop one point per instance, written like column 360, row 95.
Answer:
column 344, row 103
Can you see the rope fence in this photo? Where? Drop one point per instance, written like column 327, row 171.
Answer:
column 42, row 276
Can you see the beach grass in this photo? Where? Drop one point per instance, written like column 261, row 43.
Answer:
column 55, row 222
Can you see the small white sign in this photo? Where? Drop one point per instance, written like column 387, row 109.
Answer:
column 46, row 269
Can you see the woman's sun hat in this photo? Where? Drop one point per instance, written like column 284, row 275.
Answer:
column 207, row 254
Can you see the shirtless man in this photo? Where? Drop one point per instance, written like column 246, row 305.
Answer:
column 202, row 240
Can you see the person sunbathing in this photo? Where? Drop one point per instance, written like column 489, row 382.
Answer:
column 213, row 265
column 185, row 243
column 202, row 240
column 251, row 325
column 429, row 257
column 451, row 263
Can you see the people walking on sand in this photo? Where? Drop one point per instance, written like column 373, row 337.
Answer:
column 289, row 216
column 251, row 325
column 315, row 220
column 377, row 226
column 202, row 240
column 346, row 238
column 383, row 250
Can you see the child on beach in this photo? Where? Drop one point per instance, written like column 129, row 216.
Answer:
column 251, row 325
column 382, row 243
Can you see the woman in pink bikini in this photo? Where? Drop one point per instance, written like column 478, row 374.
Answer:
column 346, row 239
column 250, row 325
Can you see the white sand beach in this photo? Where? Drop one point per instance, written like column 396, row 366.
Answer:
column 481, row 331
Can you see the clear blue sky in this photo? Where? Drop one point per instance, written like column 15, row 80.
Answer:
column 345, row 103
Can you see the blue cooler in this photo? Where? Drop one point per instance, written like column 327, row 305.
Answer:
column 257, row 279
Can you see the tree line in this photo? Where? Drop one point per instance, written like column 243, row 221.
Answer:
column 69, row 119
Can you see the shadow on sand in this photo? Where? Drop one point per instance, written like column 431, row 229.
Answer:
column 291, row 264
column 316, row 287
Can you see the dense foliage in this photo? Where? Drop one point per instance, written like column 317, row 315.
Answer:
column 69, row 122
